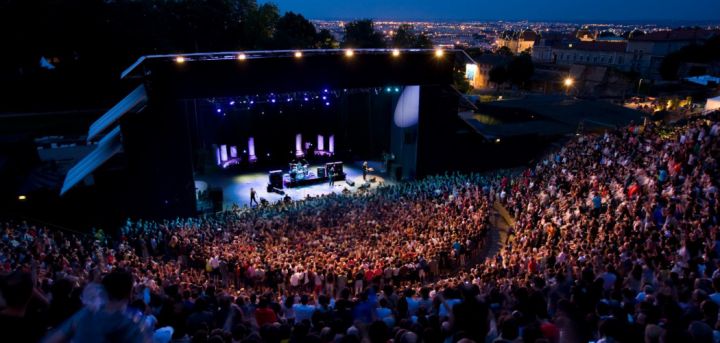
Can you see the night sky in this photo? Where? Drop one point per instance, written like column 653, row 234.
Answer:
column 565, row 10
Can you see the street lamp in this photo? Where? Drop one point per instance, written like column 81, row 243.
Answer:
column 568, row 82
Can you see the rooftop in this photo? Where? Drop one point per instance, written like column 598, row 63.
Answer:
column 676, row 35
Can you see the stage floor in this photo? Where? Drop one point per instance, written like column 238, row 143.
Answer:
column 236, row 189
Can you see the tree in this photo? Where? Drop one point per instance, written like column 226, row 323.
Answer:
column 706, row 53
column 520, row 69
column 461, row 82
column 259, row 27
column 325, row 40
column 498, row 75
column 361, row 34
column 293, row 31
column 405, row 37
column 504, row 51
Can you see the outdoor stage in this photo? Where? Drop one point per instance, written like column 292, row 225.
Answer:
column 236, row 189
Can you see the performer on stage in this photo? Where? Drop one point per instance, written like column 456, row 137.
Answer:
column 331, row 175
column 253, row 197
column 365, row 170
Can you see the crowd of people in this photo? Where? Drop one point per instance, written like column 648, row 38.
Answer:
column 613, row 238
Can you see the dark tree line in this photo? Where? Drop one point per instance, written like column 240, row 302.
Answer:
column 517, row 71
column 705, row 53
column 89, row 42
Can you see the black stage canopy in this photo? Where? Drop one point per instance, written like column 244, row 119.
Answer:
column 157, row 179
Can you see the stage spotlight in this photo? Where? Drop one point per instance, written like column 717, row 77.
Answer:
column 388, row 90
column 272, row 100
column 349, row 53
column 232, row 103
column 396, row 52
column 180, row 59
column 397, row 89
column 218, row 110
column 22, row 197
column 306, row 99
column 324, row 97
column 325, row 90
column 252, row 102
column 298, row 54
column 497, row 140
column 268, row 154
column 242, row 57
column 327, row 103
column 439, row 52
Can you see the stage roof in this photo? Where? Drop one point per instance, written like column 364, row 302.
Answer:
column 201, row 75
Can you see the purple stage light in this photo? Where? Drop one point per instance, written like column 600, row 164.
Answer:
column 327, row 103
column 233, row 151
column 289, row 100
column 252, row 102
column 273, row 101
column 325, row 90
column 298, row 145
column 223, row 153
column 218, row 110
column 232, row 103
column 251, row 147
column 320, row 142
column 324, row 97
column 306, row 98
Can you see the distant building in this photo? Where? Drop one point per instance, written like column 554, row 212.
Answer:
column 542, row 51
column 641, row 53
column 517, row 42
column 479, row 76
column 585, row 35
column 611, row 54
column 648, row 50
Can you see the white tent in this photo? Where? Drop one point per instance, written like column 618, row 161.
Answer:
column 712, row 104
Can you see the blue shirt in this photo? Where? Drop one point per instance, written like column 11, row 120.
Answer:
column 104, row 326
column 303, row 312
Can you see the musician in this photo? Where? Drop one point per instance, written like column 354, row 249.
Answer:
column 365, row 170
column 253, row 197
column 331, row 175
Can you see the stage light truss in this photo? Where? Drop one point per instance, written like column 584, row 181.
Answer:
column 324, row 96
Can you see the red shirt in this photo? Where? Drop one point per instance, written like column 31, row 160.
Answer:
column 265, row 316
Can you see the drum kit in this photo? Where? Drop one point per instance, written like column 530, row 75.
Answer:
column 299, row 171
